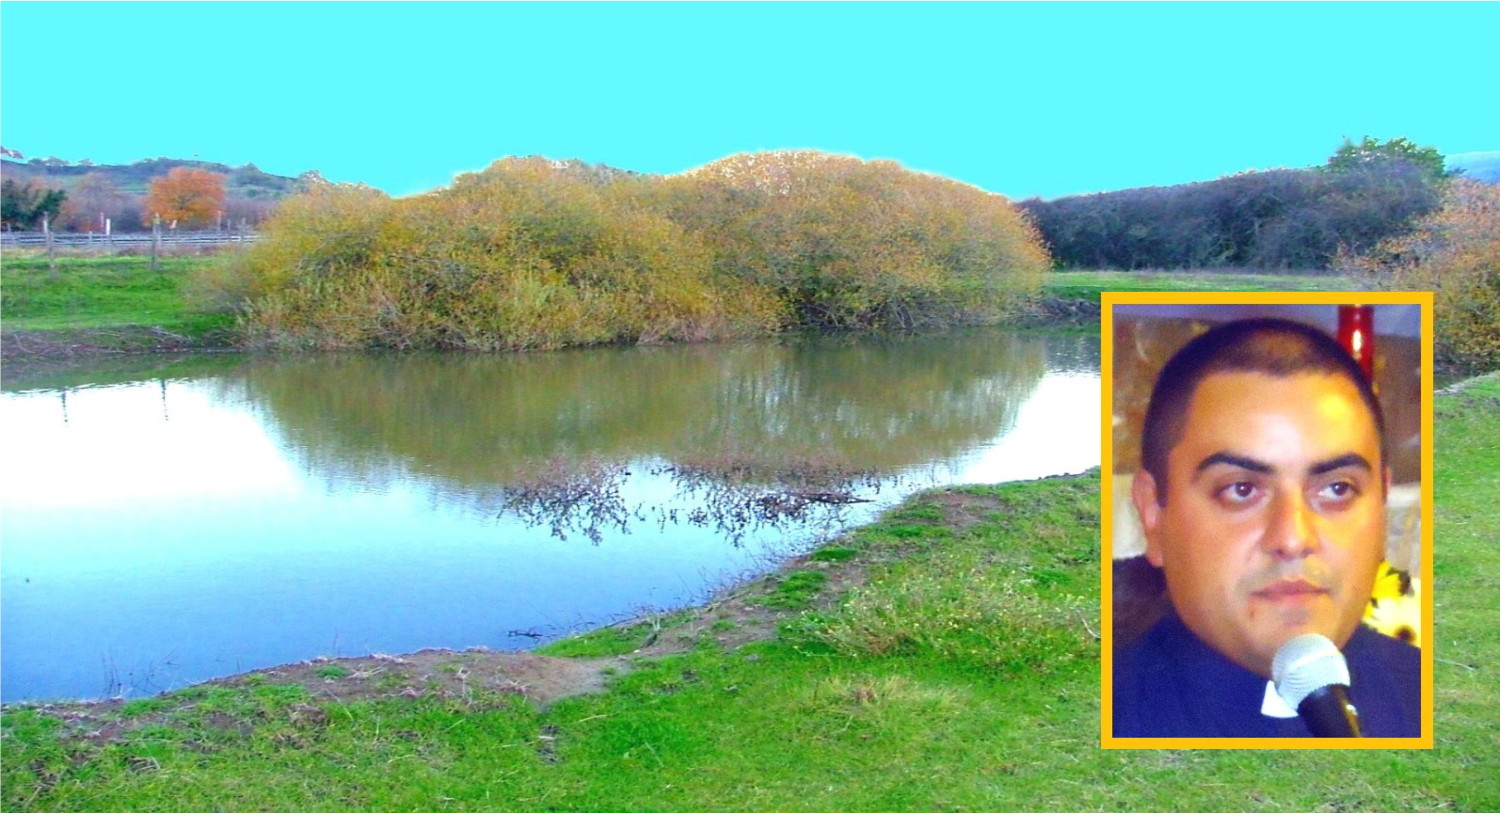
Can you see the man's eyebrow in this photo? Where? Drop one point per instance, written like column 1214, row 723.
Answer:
column 1251, row 464
column 1238, row 461
column 1351, row 459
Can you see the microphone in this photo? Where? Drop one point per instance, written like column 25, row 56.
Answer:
column 1312, row 677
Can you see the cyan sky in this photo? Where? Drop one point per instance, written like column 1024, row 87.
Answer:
column 1023, row 99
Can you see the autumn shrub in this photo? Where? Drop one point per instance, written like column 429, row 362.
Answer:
column 311, row 281
column 527, row 254
column 1455, row 253
column 533, row 253
column 851, row 244
column 579, row 260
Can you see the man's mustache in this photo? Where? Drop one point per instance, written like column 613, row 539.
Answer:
column 1306, row 570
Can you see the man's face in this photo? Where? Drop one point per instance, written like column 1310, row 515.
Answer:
column 1275, row 517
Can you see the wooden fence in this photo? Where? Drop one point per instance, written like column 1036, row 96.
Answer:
column 129, row 241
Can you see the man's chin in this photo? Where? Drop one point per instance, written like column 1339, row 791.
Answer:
column 1289, row 618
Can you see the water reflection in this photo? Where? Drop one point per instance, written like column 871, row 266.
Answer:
column 732, row 438
column 480, row 422
column 210, row 516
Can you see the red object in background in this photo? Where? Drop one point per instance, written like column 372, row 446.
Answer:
column 1357, row 335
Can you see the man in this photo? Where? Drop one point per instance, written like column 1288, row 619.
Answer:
column 1262, row 495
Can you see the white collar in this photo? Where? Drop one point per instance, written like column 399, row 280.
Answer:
column 1273, row 705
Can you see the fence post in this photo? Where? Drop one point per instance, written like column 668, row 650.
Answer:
column 51, row 254
column 155, row 241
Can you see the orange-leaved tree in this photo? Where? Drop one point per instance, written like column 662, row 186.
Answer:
column 185, row 196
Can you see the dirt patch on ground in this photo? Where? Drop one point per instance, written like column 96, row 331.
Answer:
column 962, row 511
column 470, row 676
column 748, row 613
column 1056, row 311
column 76, row 342
column 1459, row 386
column 439, row 673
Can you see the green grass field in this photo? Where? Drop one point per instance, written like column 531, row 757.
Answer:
column 1089, row 284
column 961, row 674
column 89, row 293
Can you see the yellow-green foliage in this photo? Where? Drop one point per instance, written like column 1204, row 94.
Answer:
column 1454, row 252
column 846, row 243
column 526, row 254
column 532, row 253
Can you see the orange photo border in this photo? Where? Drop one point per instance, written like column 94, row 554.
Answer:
column 1108, row 300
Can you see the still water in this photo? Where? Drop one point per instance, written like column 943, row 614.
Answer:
column 165, row 521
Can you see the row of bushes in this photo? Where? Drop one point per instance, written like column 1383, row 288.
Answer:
column 1280, row 219
column 533, row 253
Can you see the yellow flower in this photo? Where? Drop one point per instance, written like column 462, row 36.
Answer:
column 1388, row 583
column 1395, row 608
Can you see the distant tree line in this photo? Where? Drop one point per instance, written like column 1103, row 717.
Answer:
column 183, row 198
column 24, row 206
column 535, row 253
column 1278, row 219
column 85, row 196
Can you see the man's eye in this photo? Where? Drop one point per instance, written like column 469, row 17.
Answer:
column 1240, row 492
column 1340, row 490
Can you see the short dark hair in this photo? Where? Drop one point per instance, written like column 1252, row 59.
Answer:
column 1277, row 347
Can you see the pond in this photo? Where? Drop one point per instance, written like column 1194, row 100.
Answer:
column 164, row 521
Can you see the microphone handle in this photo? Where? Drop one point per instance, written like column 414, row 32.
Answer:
column 1328, row 712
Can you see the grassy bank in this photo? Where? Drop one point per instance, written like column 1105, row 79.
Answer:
column 103, row 303
column 120, row 304
column 942, row 658
column 1087, row 285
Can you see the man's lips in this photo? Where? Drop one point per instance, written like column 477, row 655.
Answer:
column 1290, row 589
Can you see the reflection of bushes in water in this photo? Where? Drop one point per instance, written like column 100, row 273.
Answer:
column 1073, row 354
column 581, row 496
column 476, row 422
column 96, row 371
column 740, row 492
column 736, row 512
column 734, row 496
column 738, row 467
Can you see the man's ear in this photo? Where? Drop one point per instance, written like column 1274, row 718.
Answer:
column 1143, row 495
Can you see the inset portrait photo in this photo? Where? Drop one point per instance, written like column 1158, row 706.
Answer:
column 1267, row 520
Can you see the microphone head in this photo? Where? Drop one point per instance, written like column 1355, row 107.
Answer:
column 1305, row 664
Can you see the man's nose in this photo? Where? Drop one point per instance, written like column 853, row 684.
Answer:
column 1291, row 529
